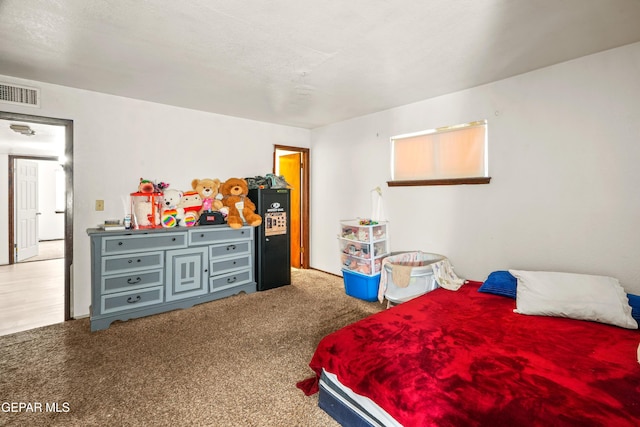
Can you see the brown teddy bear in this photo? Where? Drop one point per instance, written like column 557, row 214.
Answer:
column 234, row 196
column 208, row 190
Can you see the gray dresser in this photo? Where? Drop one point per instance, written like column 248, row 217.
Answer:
column 136, row 273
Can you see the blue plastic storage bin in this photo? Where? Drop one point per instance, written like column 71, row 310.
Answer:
column 361, row 286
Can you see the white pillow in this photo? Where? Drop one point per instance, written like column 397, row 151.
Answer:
column 577, row 296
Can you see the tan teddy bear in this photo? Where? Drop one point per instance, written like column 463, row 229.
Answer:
column 208, row 190
column 234, row 196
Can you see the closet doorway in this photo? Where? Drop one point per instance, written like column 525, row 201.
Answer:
column 37, row 253
column 293, row 164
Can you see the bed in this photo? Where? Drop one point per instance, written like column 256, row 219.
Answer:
column 465, row 358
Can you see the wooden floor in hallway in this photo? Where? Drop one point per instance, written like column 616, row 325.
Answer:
column 31, row 295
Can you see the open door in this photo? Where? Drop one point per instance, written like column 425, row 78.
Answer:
column 290, row 168
column 26, row 181
column 293, row 164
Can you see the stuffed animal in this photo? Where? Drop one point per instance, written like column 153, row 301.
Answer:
column 143, row 213
column 146, row 186
column 234, row 197
column 208, row 190
column 171, row 215
column 191, row 203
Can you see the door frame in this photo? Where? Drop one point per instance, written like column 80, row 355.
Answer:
column 68, row 212
column 304, row 199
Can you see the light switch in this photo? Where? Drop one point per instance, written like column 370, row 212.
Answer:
column 99, row 205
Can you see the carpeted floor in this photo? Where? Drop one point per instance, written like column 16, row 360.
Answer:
column 231, row 362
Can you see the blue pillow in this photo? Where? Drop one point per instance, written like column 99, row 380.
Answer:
column 634, row 302
column 502, row 283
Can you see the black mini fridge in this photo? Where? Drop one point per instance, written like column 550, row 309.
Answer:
column 272, row 238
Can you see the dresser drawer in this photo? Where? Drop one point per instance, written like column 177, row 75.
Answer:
column 229, row 249
column 131, row 281
column 229, row 280
column 131, row 300
column 222, row 234
column 143, row 242
column 223, row 265
column 119, row 264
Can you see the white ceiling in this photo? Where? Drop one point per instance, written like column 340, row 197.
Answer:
column 299, row 62
column 47, row 139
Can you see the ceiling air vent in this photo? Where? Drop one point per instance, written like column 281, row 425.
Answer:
column 20, row 95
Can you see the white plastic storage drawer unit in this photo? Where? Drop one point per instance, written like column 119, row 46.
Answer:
column 362, row 247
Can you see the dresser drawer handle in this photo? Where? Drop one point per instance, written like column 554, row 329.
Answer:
column 133, row 282
column 231, row 247
column 132, row 300
column 232, row 279
column 173, row 239
column 120, row 243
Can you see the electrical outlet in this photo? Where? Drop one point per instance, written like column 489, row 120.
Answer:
column 99, row 205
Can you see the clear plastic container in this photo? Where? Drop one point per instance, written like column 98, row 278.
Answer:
column 362, row 247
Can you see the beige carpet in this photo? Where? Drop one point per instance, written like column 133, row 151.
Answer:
column 231, row 362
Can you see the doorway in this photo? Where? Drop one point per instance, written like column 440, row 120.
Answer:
column 38, row 201
column 23, row 154
column 293, row 164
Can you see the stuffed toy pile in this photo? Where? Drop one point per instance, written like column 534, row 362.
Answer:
column 157, row 205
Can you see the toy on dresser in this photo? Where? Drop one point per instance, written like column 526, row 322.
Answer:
column 145, row 204
column 171, row 214
column 191, row 203
column 212, row 210
column 208, row 189
column 234, row 197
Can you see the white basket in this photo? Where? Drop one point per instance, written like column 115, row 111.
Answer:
column 422, row 279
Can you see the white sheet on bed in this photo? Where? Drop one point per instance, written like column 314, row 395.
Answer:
column 369, row 405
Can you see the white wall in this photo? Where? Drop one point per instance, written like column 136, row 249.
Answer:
column 564, row 157
column 119, row 140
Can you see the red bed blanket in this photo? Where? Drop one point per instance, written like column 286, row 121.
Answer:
column 465, row 359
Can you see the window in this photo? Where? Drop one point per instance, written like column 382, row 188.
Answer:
column 450, row 155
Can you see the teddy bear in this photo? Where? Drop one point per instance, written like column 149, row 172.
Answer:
column 234, row 197
column 191, row 204
column 208, row 190
column 143, row 214
column 171, row 215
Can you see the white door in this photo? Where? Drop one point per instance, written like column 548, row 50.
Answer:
column 26, row 197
